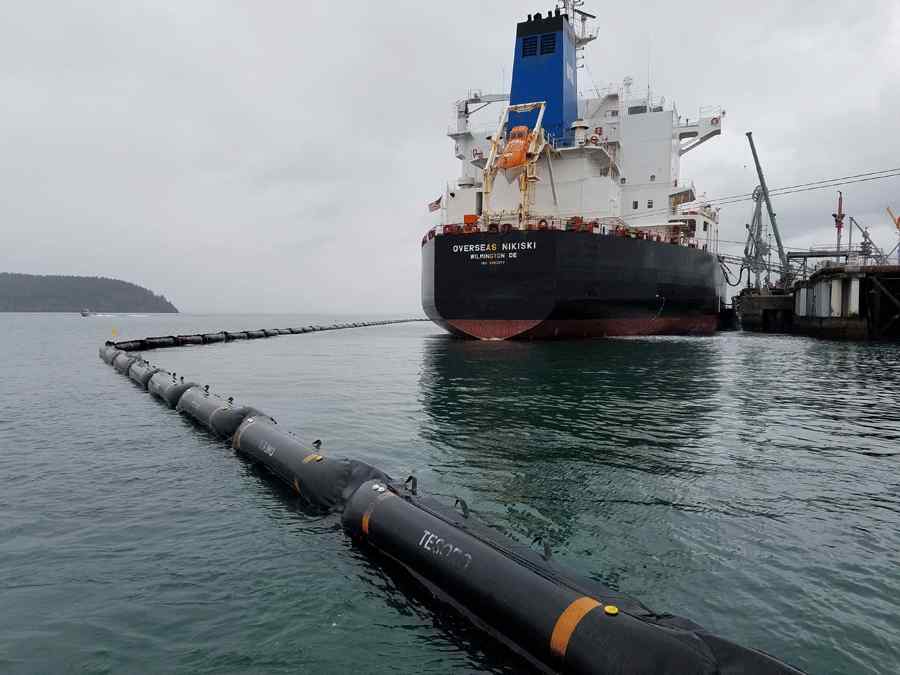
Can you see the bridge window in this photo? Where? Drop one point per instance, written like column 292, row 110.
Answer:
column 634, row 204
column 529, row 46
column 548, row 43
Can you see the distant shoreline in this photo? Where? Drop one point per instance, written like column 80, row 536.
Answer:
column 58, row 294
column 78, row 311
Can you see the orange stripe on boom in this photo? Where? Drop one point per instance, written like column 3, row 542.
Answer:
column 367, row 516
column 567, row 623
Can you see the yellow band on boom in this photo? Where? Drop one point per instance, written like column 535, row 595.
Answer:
column 567, row 623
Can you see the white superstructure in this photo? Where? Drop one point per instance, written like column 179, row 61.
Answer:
column 617, row 171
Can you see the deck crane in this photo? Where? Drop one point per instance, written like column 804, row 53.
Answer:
column 758, row 245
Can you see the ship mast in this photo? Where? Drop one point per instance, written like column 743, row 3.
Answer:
column 573, row 9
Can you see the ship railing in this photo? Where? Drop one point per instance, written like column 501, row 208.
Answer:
column 827, row 256
column 562, row 141
column 612, row 227
column 596, row 223
column 705, row 113
column 825, row 247
column 824, row 264
column 711, row 111
column 701, row 209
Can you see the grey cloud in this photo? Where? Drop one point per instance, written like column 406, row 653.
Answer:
column 279, row 157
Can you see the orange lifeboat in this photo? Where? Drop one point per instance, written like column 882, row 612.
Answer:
column 516, row 146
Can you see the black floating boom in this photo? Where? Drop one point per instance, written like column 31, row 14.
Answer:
column 161, row 341
column 558, row 620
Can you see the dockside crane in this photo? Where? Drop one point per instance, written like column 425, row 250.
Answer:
column 839, row 219
column 757, row 248
column 896, row 221
column 868, row 248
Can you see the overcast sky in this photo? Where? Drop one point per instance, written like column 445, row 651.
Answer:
column 279, row 156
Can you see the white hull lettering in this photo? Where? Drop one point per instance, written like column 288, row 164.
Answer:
column 441, row 548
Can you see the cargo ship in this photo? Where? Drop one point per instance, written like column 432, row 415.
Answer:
column 569, row 218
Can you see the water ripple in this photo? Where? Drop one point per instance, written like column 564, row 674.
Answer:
column 748, row 482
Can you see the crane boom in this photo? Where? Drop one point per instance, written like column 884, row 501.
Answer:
column 786, row 270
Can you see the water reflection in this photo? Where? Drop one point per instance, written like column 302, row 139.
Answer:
column 551, row 431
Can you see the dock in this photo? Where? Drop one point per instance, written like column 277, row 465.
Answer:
column 838, row 301
column 765, row 310
column 850, row 302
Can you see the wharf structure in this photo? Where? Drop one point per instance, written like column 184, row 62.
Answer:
column 765, row 310
column 852, row 293
column 856, row 299
column 849, row 301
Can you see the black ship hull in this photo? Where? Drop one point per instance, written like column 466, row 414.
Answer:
column 557, row 284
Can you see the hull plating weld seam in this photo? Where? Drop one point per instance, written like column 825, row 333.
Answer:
column 526, row 601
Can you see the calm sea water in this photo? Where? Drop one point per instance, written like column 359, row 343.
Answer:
column 751, row 483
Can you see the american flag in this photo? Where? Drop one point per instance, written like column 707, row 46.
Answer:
column 436, row 204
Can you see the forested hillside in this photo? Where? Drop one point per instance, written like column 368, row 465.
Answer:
column 51, row 293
